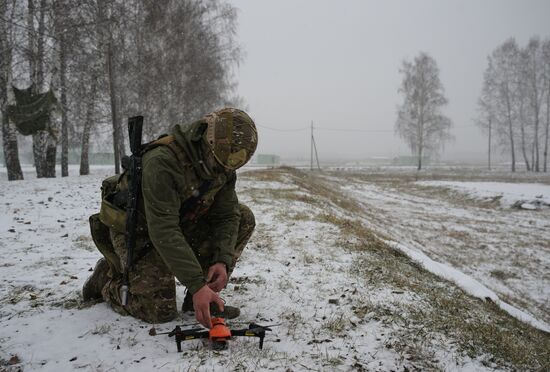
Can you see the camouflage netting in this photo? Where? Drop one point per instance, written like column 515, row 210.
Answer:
column 31, row 113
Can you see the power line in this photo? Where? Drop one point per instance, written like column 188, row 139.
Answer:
column 356, row 130
column 327, row 129
column 464, row 126
column 283, row 130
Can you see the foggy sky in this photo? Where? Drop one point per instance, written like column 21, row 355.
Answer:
column 337, row 63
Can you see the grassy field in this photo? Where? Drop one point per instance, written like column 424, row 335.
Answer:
column 317, row 265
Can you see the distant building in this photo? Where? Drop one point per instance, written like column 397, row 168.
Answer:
column 410, row 160
column 268, row 159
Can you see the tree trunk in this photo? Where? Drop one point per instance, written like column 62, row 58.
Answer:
column 63, row 103
column 420, row 135
column 51, row 136
column 420, row 146
column 44, row 144
column 60, row 20
column 51, row 150
column 547, row 126
column 44, row 147
column 522, row 131
column 38, row 146
column 536, row 147
column 121, row 122
column 9, row 137
column 31, row 38
column 112, row 93
column 533, row 157
column 11, row 151
column 510, row 130
column 85, row 149
column 522, row 127
column 31, row 55
column 39, row 78
column 536, row 112
column 489, row 147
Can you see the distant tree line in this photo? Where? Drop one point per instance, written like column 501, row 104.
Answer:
column 513, row 108
column 514, row 105
column 105, row 60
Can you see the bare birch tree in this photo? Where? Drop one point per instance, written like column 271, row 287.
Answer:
column 546, row 63
column 9, row 137
column 487, row 118
column 534, row 79
column 515, row 92
column 184, row 57
column 91, row 78
column 170, row 60
column 420, row 121
column 44, row 141
column 501, row 90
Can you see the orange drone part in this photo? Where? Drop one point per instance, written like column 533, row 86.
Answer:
column 219, row 330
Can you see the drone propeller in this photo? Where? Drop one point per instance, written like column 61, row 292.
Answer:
column 219, row 334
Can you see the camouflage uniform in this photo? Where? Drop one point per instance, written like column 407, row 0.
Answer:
column 152, row 287
column 173, row 237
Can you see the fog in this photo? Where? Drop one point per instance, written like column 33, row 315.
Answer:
column 336, row 63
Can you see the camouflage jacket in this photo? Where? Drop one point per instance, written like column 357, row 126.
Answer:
column 172, row 175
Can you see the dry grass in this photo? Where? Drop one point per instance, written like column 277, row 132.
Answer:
column 480, row 329
column 292, row 195
column 503, row 275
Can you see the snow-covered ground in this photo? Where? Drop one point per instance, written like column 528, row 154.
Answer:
column 522, row 195
column 295, row 271
column 497, row 232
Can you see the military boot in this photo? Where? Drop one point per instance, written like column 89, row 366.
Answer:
column 95, row 283
column 229, row 312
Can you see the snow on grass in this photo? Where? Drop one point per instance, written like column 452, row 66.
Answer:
column 467, row 283
column 524, row 195
column 506, row 250
column 41, row 236
column 294, row 272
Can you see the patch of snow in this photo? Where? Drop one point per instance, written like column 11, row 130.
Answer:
column 504, row 250
column 528, row 206
column 467, row 283
column 527, row 195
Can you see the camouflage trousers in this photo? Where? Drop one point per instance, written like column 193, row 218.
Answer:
column 152, row 293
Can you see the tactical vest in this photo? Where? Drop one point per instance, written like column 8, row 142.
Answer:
column 114, row 194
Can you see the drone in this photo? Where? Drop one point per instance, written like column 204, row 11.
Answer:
column 219, row 334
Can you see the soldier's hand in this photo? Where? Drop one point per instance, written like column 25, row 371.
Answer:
column 217, row 277
column 201, row 303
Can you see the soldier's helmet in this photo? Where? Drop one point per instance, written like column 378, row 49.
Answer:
column 231, row 136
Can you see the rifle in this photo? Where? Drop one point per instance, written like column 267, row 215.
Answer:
column 135, row 126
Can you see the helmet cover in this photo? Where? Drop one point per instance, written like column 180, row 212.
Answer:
column 232, row 137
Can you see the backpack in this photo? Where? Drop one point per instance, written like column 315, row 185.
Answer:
column 114, row 193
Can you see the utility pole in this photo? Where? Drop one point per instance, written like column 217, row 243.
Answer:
column 489, row 152
column 313, row 147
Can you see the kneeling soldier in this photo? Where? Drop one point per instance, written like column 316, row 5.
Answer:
column 190, row 223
